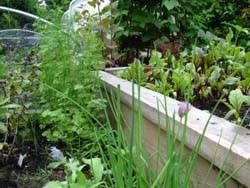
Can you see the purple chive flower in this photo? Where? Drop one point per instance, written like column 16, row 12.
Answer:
column 183, row 109
column 56, row 154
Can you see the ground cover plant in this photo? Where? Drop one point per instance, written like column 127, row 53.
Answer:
column 201, row 76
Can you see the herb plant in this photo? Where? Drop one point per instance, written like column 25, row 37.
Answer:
column 70, row 60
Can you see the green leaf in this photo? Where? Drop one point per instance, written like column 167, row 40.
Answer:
column 54, row 165
column 215, row 75
column 231, row 80
column 3, row 128
column 170, row 4
column 247, row 100
column 96, row 167
column 156, row 60
column 18, row 89
column 2, row 144
column 230, row 113
column 230, row 35
column 3, row 101
column 73, row 166
column 247, row 56
column 8, row 106
column 55, row 113
column 96, row 185
column 54, row 184
column 236, row 98
column 78, row 185
column 81, row 178
column 240, row 29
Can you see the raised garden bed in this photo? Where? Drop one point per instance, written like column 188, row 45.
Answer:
column 218, row 138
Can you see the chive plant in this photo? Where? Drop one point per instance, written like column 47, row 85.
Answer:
column 132, row 166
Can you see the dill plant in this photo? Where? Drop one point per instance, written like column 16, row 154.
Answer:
column 69, row 59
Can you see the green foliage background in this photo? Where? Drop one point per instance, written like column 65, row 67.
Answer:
column 141, row 23
column 10, row 20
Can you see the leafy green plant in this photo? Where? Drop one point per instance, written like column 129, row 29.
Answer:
column 239, row 30
column 74, row 172
column 136, row 73
column 236, row 100
column 201, row 76
column 70, row 59
column 17, row 100
column 183, row 83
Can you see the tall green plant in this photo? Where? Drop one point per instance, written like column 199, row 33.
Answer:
column 69, row 59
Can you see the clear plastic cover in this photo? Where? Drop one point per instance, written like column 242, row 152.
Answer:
column 18, row 37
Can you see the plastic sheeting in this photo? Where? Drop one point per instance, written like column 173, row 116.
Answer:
column 12, row 38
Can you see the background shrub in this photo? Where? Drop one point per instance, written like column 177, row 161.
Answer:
column 10, row 20
column 146, row 24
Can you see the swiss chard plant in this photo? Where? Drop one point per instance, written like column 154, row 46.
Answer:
column 236, row 99
column 201, row 76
